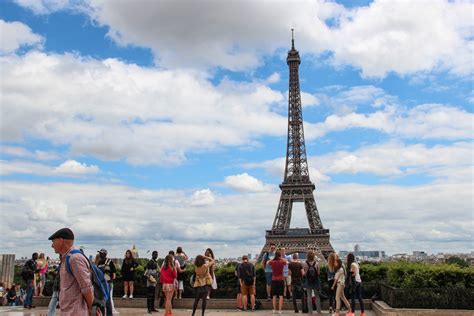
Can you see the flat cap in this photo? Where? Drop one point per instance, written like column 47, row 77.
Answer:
column 102, row 251
column 64, row 233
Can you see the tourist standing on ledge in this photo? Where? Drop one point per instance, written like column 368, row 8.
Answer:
column 28, row 273
column 331, row 273
column 181, row 257
column 312, row 283
column 356, row 293
column 287, row 290
column 76, row 292
column 248, row 278
column 339, row 283
column 202, row 281
column 278, row 280
column 167, row 277
column 268, row 269
column 296, row 273
column 128, row 273
column 151, row 275
column 239, row 293
column 210, row 254
column 42, row 265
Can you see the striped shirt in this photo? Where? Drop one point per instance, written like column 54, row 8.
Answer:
column 74, row 285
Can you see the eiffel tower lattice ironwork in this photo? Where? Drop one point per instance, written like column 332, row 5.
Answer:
column 296, row 185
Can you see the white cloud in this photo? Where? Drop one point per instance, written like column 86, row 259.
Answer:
column 380, row 38
column 166, row 218
column 246, row 183
column 451, row 162
column 157, row 115
column 14, row 35
column 203, row 197
column 425, row 121
column 47, row 6
column 386, row 36
column 75, row 167
column 22, row 152
column 24, row 167
column 70, row 168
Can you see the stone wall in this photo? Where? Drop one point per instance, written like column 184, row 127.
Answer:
column 7, row 269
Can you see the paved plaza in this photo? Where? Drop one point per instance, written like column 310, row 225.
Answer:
column 42, row 311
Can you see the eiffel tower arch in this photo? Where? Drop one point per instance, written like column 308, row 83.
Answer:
column 297, row 186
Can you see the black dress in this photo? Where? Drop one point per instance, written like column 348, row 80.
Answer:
column 127, row 273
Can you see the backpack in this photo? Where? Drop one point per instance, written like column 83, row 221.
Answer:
column 105, row 268
column 312, row 274
column 182, row 262
column 26, row 272
column 247, row 274
column 101, row 287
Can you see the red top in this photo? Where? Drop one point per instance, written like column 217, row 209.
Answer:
column 167, row 275
column 277, row 269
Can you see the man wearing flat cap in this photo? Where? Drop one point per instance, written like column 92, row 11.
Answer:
column 76, row 292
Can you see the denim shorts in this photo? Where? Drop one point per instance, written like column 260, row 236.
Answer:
column 268, row 278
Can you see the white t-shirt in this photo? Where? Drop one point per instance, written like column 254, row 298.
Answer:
column 355, row 268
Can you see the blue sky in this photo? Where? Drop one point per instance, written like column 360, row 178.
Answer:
column 164, row 123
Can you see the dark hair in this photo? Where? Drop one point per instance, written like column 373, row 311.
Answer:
column 338, row 264
column 245, row 257
column 350, row 260
column 209, row 250
column 35, row 254
column 129, row 259
column 179, row 250
column 295, row 255
column 199, row 261
column 277, row 254
column 171, row 252
column 272, row 244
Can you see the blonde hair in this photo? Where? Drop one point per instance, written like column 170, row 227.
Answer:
column 332, row 261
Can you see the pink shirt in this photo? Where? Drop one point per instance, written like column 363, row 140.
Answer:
column 74, row 285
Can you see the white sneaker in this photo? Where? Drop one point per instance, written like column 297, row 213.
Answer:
column 274, row 312
column 125, row 296
column 131, row 296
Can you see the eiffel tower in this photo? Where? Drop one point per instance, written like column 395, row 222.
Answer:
column 296, row 186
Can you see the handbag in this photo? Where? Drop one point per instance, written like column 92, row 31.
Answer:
column 152, row 279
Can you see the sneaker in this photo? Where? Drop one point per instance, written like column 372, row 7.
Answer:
column 279, row 312
column 274, row 312
column 125, row 296
column 269, row 298
column 131, row 296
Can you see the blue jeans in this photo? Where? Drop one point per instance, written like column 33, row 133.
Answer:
column 53, row 303
column 357, row 294
column 29, row 293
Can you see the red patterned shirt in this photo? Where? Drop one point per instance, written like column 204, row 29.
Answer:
column 74, row 285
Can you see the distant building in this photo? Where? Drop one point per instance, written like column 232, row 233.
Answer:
column 134, row 251
column 364, row 254
column 420, row 254
column 356, row 248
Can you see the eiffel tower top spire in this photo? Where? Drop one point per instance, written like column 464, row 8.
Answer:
column 292, row 40
column 296, row 170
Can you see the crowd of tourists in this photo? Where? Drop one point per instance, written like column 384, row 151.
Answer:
column 286, row 275
column 82, row 286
